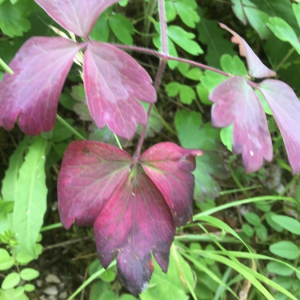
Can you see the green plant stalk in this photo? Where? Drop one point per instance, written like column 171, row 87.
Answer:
column 63, row 122
column 50, row 227
column 241, row 202
column 167, row 126
column 239, row 190
column 90, row 279
column 6, row 67
column 236, row 180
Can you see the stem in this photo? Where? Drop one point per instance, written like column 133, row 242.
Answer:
column 67, row 125
column 284, row 59
column 161, row 68
column 167, row 126
column 50, row 227
column 118, row 142
column 168, row 57
column 156, row 86
column 6, row 67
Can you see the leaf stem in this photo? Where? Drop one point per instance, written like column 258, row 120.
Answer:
column 118, row 142
column 67, row 125
column 90, row 279
column 161, row 68
column 167, row 126
column 50, row 227
column 6, row 67
column 168, row 57
column 287, row 56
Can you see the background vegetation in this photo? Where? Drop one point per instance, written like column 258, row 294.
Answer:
column 244, row 242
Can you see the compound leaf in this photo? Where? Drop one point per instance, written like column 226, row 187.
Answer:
column 77, row 16
column 285, row 107
column 114, row 84
column 134, row 213
column 236, row 102
column 32, row 92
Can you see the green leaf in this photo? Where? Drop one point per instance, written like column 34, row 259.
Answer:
column 6, row 261
column 212, row 35
column 284, row 281
column 192, row 133
column 127, row 297
column 29, row 274
column 279, row 269
column 100, row 30
column 290, row 224
column 19, row 291
column 184, row 39
column 187, row 94
column 272, row 223
column 31, row 197
column 155, row 124
column 29, row 287
column 261, row 232
column 252, row 218
column 185, row 9
column 122, row 28
column 9, row 183
column 203, row 94
column 172, row 89
column 296, row 9
column 24, row 258
column 284, row 32
column 108, row 276
column 285, row 249
column 233, row 65
column 248, row 230
column 212, row 79
column 10, row 281
column 226, row 136
column 10, row 295
column 12, row 19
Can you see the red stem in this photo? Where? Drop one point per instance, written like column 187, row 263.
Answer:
column 168, row 57
column 163, row 33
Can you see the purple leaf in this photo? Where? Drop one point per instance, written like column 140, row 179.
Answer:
column 77, row 16
column 285, row 107
column 114, row 83
column 90, row 174
column 32, row 92
column 131, row 209
column 236, row 102
column 135, row 223
column 170, row 166
column 256, row 68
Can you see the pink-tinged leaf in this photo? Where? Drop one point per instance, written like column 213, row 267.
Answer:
column 130, row 209
column 77, row 16
column 114, row 83
column 256, row 68
column 135, row 223
column 32, row 92
column 90, row 173
column 236, row 102
column 285, row 107
column 170, row 166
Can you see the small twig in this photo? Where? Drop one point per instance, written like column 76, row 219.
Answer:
column 63, row 244
column 86, row 273
column 243, row 294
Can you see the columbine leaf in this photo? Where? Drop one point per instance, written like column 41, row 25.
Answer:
column 131, row 212
column 32, row 92
column 114, row 82
column 169, row 167
column 90, row 173
column 256, row 68
column 77, row 16
column 236, row 102
column 285, row 107
column 135, row 222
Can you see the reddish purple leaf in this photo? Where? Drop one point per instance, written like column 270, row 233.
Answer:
column 170, row 166
column 131, row 211
column 32, row 92
column 90, row 174
column 114, row 83
column 285, row 107
column 135, row 223
column 77, row 16
column 236, row 102
column 256, row 68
